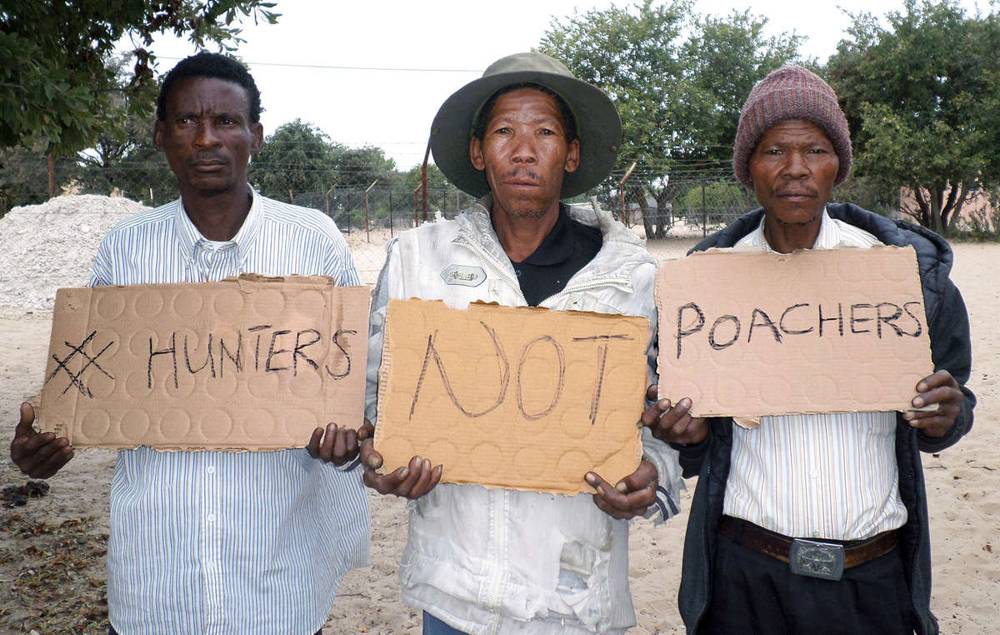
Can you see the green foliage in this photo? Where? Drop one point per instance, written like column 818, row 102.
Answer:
column 717, row 201
column 60, row 83
column 678, row 81
column 922, row 95
column 297, row 158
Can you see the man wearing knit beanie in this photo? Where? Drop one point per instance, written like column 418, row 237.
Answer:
column 817, row 523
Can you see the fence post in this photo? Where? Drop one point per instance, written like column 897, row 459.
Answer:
column 390, row 214
column 621, row 194
column 704, row 213
column 423, row 177
column 368, row 235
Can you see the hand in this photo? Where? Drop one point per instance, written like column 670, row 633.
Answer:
column 630, row 497
column 941, row 389
column 38, row 454
column 412, row 481
column 673, row 424
column 339, row 445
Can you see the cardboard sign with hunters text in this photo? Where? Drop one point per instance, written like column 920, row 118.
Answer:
column 755, row 333
column 521, row 398
column 245, row 364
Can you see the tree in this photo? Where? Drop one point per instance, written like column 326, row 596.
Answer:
column 922, row 95
column 678, row 81
column 297, row 158
column 57, row 73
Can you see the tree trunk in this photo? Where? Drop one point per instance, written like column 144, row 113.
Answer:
column 51, row 160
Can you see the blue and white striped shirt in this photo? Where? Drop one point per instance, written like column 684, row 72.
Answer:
column 228, row 542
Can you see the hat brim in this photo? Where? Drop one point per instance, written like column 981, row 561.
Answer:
column 598, row 127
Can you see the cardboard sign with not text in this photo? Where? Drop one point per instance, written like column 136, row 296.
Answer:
column 747, row 333
column 521, row 398
column 251, row 363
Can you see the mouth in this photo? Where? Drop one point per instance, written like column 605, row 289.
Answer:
column 796, row 196
column 208, row 166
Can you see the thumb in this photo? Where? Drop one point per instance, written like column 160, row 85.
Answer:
column 369, row 456
column 27, row 418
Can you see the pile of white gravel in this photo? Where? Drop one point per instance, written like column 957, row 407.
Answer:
column 52, row 245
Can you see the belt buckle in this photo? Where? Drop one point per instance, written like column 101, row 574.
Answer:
column 822, row 560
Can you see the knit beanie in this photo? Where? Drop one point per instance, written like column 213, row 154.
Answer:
column 791, row 92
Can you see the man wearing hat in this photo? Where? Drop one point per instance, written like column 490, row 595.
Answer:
column 817, row 523
column 478, row 560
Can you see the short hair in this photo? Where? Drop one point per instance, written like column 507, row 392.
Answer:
column 212, row 65
column 483, row 118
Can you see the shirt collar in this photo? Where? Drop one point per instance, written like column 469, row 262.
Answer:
column 191, row 239
column 828, row 237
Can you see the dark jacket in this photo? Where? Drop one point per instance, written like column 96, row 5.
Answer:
column 950, row 349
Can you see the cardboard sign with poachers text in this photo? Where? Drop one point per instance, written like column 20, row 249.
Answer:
column 521, row 398
column 746, row 333
column 245, row 364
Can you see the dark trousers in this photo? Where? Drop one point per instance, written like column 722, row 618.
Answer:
column 754, row 593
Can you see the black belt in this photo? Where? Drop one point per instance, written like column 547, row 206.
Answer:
column 814, row 558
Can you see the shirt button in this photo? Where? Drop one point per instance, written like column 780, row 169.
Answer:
column 210, row 469
column 210, row 518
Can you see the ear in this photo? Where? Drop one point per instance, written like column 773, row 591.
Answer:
column 257, row 131
column 158, row 134
column 573, row 156
column 476, row 154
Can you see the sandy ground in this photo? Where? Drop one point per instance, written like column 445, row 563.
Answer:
column 51, row 551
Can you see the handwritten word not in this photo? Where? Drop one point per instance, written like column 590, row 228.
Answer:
column 557, row 351
column 883, row 319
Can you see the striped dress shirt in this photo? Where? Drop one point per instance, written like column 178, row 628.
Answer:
column 817, row 475
column 228, row 542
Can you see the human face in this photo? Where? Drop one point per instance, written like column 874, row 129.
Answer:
column 793, row 169
column 207, row 135
column 525, row 153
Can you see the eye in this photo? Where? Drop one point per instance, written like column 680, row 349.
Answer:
column 818, row 150
column 226, row 120
column 547, row 131
column 504, row 130
column 184, row 120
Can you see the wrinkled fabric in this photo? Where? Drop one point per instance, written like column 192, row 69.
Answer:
column 502, row 561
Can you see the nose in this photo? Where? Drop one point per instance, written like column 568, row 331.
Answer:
column 206, row 136
column 524, row 150
column 796, row 166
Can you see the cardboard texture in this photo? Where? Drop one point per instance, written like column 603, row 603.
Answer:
column 520, row 398
column 245, row 364
column 754, row 333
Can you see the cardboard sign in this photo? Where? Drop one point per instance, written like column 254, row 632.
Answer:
column 521, row 398
column 250, row 364
column 755, row 333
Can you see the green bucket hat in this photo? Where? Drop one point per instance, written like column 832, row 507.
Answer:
column 598, row 125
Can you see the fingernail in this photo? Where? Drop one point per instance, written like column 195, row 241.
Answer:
column 621, row 487
column 600, row 490
column 908, row 416
column 922, row 387
column 427, row 464
column 918, row 402
column 591, row 478
column 405, row 471
column 374, row 462
column 663, row 404
column 684, row 403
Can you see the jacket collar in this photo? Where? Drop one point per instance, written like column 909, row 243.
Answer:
column 609, row 265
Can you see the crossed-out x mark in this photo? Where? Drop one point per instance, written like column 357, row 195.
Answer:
column 75, row 379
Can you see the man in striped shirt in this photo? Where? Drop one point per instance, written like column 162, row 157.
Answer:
column 221, row 542
column 851, row 481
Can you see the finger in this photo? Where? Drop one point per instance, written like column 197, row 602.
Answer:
column 54, row 463
column 423, row 484
column 939, row 378
column 24, row 426
column 366, row 431
column 313, row 446
column 642, row 478
column 415, row 472
column 385, row 484
column 339, row 445
column 350, row 446
column 652, row 414
column 369, row 456
column 942, row 394
column 27, row 450
column 651, row 392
